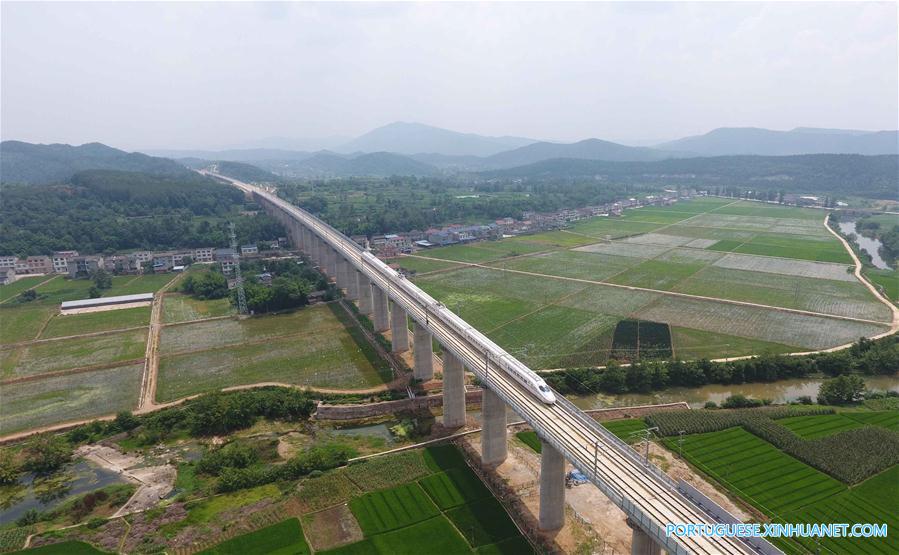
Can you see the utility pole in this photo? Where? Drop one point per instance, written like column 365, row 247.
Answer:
column 238, row 277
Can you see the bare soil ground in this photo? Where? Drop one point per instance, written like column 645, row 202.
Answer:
column 331, row 528
column 154, row 482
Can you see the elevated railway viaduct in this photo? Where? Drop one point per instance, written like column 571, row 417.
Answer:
column 648, row 497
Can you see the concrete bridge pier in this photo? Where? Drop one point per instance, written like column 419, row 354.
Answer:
column 493, row 434
column 399, row 329
column 332, row 262
column 318, row 251
column 642, row 543
column 381, row 320
column 307, row 242
column 352, row 282
column 552, row 487
column 453, row 391
column 343, row 270
column 363, row 285
column 423, row 352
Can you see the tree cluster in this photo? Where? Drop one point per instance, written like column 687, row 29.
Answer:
column 864, row 357
column 104, row 212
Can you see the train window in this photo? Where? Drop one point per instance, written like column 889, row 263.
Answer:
column 544, row 389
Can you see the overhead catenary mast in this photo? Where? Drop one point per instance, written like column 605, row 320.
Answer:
column 238, row 277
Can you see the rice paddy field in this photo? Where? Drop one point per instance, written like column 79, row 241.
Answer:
column 789, row 491
column 69, row 397
column 731, row 278
column 310, row 347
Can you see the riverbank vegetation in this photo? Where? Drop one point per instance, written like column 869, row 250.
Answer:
column 864, row 357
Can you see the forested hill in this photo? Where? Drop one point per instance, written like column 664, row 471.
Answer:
column 25, row 163
column 104, row 210
column 845, row 174
column 245, row 172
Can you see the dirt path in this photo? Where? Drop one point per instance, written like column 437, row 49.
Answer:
column 147, row 397
column 894, row 310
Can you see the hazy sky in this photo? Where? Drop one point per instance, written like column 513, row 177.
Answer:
column 210, row 75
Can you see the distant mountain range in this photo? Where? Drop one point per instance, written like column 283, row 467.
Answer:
column 34, row 163
column 422, row 150
column 419, row 149
column 417, row 138
column 727, row 141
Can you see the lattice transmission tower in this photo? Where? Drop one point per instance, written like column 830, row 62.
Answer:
column 238, row 277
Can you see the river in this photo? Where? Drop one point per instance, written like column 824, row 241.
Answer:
column 867, row 244
column 782, row 391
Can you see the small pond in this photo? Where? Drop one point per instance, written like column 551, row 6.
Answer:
column 44, row 494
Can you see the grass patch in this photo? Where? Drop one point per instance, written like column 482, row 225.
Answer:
column 483, row 522
column 530, row 439
column 284, row 538
column 454, row 487
column 393, row 508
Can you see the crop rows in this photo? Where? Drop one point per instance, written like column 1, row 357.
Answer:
column 386, row 510
column 800, row 268
column 765, row 476
column 810, row 427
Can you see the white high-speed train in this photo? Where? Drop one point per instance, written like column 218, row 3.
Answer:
column 533, row 383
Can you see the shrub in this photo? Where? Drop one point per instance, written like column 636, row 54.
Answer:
column 9, row 471
column 841, row 390
column 741, row 402
column 47, row 454
column 710, row 405
column 232, row 455
column 30, row 517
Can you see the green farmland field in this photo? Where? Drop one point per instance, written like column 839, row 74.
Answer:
column 22, row 322
column 76, row 324
column 624, row 428
column 71, row 397
column 81, row 352
column 284, row 538
column 177, row 307
column 15, row 288
column 483, row 522
column 766, row 477
column 454, row 487
column 393, row 508
column 886, row 419
column 887, row 280
column 811, row 427
column 775, row 256
column 317, row 351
